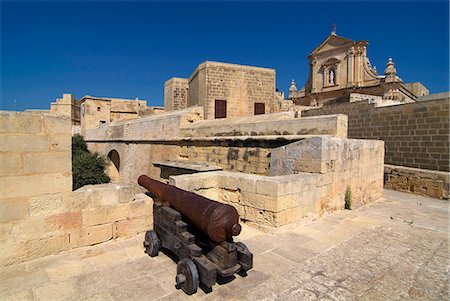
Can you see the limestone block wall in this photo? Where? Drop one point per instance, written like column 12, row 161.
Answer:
column 351, row 164
column 90, row 215
column 105, row 212
column 249, row 156
column 35, row 177
column 241, row 86
column 261, row 201
column 136, row 158
column 39, row 213
column 94, row 112
column 415, row 134
column 157, row 127
column 175, row 94
column 425, row 182
column 175, row 136
column 298, row 190
column 35, row 163
column 271, row 124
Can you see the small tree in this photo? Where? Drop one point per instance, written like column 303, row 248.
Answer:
column 87, row 168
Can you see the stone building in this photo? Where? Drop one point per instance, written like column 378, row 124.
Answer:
column 224, row 90
column 67, row 106
column 92, row 112
column 340, row 67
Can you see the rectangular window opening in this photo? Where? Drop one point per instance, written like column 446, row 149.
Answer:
column 220, row 109
column 260, row 108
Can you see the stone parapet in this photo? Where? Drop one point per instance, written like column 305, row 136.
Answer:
column 270, row 124
column 152, row 127
column 90, row 215
column 298, row 191
column 415, row 134
column 431, row 183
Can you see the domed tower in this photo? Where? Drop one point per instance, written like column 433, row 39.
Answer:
column 292, row 88
column 390, row 72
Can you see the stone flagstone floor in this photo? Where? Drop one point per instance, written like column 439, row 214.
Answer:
column 393, row 249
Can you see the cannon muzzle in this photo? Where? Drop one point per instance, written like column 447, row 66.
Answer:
column 219, row 221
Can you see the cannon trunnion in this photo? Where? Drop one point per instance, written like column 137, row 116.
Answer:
column 201, row 259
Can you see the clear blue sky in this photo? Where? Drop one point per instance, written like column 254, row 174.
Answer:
column 128, row 49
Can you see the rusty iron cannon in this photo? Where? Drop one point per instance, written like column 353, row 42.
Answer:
column 199, row 231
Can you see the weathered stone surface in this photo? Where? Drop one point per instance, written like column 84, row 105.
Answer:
column 13, row 209
column 24, row 143
column 370, row 253
column 410, row 139
column 60, row 142
column 420, row 181
column 128, row 227
column 96, row 234
column 57, row 124
column 105, row 214
column 68, row 270
column 11, row 164
column 35, row 185
column 141, row 207
column 70, row 220
column 347, row 169
column 20, row 122
column 45, row 204
column 43, row 163
column 14, row 252
column 56, row 291
column 262, row 125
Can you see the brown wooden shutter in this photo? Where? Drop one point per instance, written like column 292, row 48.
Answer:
column 220, row 109
column 260, row 108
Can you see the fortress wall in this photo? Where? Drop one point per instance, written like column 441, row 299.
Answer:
column 39, row 212
column 271, row 124
column 415, row 134
column 416, row 137
column 298, row 191
column 226, row 143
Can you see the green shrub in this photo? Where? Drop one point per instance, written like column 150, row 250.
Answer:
column 87, row 168
column 348, row 198
column 79, row 146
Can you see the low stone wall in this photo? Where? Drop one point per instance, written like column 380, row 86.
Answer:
column 415, row 134
column 261, row 201
column 298, row 190
column 431, row 183
column 271, row 124
column 164, row 126
column 90, row 215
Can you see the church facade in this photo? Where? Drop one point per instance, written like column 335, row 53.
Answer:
column 340, row 67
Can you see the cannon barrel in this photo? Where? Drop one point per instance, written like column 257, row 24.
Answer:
column 219, row 221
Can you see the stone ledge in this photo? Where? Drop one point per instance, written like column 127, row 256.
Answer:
column 431, row 183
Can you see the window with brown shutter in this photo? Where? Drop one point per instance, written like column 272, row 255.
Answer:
column 220, row 109
column 260, row 108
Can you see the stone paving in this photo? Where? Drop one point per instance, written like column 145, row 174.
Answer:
column 393, row 249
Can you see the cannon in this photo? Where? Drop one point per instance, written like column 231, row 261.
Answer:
column 199, row 231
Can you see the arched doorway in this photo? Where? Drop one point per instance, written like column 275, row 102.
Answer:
column 113, row 168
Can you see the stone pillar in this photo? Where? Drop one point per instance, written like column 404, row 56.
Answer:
column 313, row 68
column 350, row 67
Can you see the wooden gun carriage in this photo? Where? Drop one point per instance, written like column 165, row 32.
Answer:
column 199, row 231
